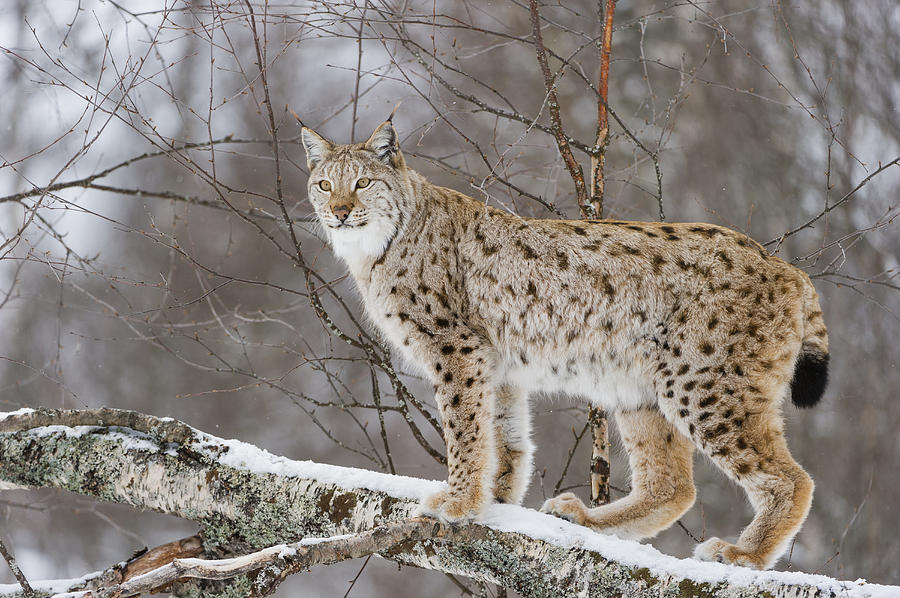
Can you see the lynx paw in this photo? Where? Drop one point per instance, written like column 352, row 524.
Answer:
column 566, row 506
column 719, row 550
column 449, row 508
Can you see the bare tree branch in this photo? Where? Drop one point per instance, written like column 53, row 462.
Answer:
column 846, row 197
column 562, row 143
column 14, row 567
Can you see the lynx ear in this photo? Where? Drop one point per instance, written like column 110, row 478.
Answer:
column 385, row 144
column 317, row 147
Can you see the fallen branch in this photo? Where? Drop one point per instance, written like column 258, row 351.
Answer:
column 249, row 503
column 272, row 565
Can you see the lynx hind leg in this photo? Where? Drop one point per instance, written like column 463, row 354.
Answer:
column 662, row 487
column 722, row 382
column 756, row 455
column 512, row 425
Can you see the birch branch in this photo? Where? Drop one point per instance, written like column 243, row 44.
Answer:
column 246, row 500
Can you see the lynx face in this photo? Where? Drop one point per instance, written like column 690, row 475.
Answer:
column 358, row 192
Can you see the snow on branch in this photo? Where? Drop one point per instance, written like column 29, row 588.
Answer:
column 270, row 517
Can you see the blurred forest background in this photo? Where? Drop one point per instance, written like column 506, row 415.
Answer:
column 150, row 176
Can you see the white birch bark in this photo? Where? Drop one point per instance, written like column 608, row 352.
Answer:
column 169, row 467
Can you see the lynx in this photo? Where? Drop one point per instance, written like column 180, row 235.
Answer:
column 691, row 333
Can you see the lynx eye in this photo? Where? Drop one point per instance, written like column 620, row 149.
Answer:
column 362, row 183
column 325, row 185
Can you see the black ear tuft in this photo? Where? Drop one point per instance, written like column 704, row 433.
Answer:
column 316, row 146
column 385, row 144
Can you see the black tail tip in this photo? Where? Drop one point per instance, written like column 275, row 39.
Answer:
column 810, row 379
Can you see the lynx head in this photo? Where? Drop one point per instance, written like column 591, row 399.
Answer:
column 360, row 192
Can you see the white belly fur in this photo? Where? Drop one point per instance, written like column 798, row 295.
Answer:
column 612, row 388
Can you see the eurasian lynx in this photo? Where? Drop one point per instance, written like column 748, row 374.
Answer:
column 691, row 333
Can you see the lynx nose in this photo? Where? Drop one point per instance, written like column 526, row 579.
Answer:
column 342, row 212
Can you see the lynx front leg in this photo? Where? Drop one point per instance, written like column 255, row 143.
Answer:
column 466, row 401
column 514, row 446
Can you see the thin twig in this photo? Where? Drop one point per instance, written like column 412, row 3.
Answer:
column 14, row 566
column 847, row 196
column 602, row 142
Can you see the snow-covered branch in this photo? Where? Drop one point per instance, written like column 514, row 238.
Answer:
column 263, row 513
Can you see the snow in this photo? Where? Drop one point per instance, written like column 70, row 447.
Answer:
column 67, row 431
column 314, row 541
column 50, row 586
column 22, row 411
column 133, row 440
column 248, row 457
column 128, row 439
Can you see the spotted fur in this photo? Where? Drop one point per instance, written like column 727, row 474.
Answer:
column 689, row 332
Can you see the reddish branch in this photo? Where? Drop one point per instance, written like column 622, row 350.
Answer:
column 597, row 417
column 553, row 104
column 598, row 159
column 590, row 207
